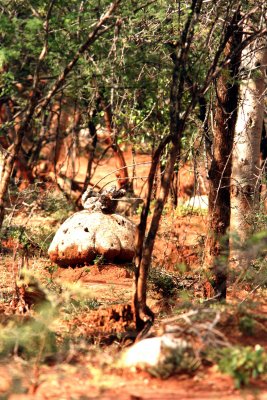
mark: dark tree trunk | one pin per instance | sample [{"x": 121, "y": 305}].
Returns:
[
  {"x": 144, "y": 248},
  {"x": 93, "y": 134},
  {"x": 217, "y": 244},
  {"x": 143, "y": 315},
  {"x": 111, "y": 140}
]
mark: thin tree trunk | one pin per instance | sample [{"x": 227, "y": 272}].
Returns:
[
  {"x": 144, "y": 248},
  {"x": 9, "y": 159},
  {"x": 245, "y": 180},
  {"x": 93, "y": 134},
  {"x": 111, "y": 140},
  {"x": 143, "y": 315},
  {"x": 217, "y": 243}
]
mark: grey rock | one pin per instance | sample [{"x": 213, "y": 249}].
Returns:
[{"x": 88, "y": 234}]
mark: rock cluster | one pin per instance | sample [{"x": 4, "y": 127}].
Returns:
[{"x": 95, "y": 231}]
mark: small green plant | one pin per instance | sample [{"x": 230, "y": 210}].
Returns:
[
  {"x": 92, "y": 304},
  {"x": 42, "y": 237},
  {"x": 185, "y": 210},
  {"x": 51, "y": 269},
  {"x": 20, "y": 198},
  {"x": 19, "y": 235},
  {"x": 29, "y": 339},
  {"x": 247, "y": 325},
  {"x": 29, "y": 335},
  {"x": 99, "y": 260},
  {"x": 175, "y": 361},
  {"x": 75, "y": 305},
  {"x": 52, "y": 285},
  {"x": 162, "y": 282},
  {"x": 243, "y": 363}
]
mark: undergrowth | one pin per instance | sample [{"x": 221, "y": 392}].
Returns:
[
  {"x": 34, "y": 199},
  {"x": 26, "y": 239},
  {"x": 20, "y": 232},
  {"x": 243, "y": 363},
  {"x": 42, "y": 333},
  {"x": 35, "y": 331},
  {"x": 162, "y": 282}
]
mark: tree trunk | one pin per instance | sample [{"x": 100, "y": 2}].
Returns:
[
  {"x": 144, "y": 248},
  {"x": 217, "y": 243},
  {"x": 245, "y": 180},
  {"x": 9, "y": 159},
  {"x": 93, "y": 134},
  {"x": 111, "y": 140},
  {"x": 143, "y": 315}
]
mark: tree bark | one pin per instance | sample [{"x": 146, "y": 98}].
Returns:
[
  {"x": 245, "y": 180},
  {"x": 143, "y": 315},
  {"x": 144, "y": 248},
  {"x": 111, "y": 140},
  {"x": 9, "y": 158},
  {"x": 217, "y": 243},
  {"x": 93, "y": 134}
]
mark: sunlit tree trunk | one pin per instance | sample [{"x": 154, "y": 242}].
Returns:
[
  {"x": 111, "y": 140},
  {"x": 217, "y": 243},
  {"x": 9, "y": 159},
  {"x": 245, "y": 180}
]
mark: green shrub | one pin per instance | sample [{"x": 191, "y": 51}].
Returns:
[
  {"x": 78, "y": 305},
  {"x": 29, "y": 239},
  {"x": 247, "y": 325},
  {"x": 184, "y": 211},
  {"x": 243, "y": 363},
  {"x": 99, "y": 260},
  {"x": 55, "y": 204},
  {"x": 29, "y": 339},
  {"x": 175, "y": 361},
  {"x": 162, "y": 282}
]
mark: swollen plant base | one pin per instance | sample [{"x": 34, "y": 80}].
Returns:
[{"x": 86, "y": 235}]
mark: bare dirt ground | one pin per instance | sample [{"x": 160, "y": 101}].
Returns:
[{"x": 85, "y": 370}]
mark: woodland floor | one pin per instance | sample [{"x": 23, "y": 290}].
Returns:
[{"x": 84, "y": 368}]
